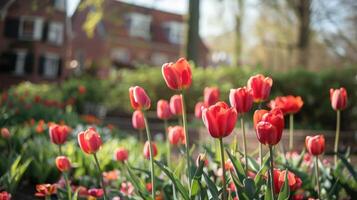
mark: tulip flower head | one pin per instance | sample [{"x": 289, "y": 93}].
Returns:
[
  {"x": 163, "y": 110},
  {"x": 338, "y": 98},
  {"x": 43, "y": 190},
  {"x": 58, "y": 133},
  {"x": 176, "y": 104},
  {"x": 5, "y": 133},
  {"x": 261, "y": 86},
  {"x": 219, "y": 119},
  {"x": 270, "y": 128},
  {"x": 198, "y": 109},
  {"x": 241, "y": 99},
  {"x": 315, "y": 145},
  {"x": 127, "y": 188},
  {"x": 176, "y": 135},
  {"x": 147, "y": 150},
  {"x": 5, "y": 195},
  {"x": 178, "y": 76},
  {"x": 96, "y": 192},
  {"x": 287, "y": 104},
  {"x": 139, "y": 99},
  {"x": 121, "y": 154},
  {"x": 89, "y": 141},
  {"x": 210, "y": 96},
  {"x": 63, "y": 163},
  {"x": 279, "y": 179},
  {"x": 137, "y": 120}
]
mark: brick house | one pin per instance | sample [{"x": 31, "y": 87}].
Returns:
[
  {"x": 128, "y": 35},
  {"x": 32, "y": 41}
]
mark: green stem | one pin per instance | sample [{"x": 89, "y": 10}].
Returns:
[
  {"x": 48, "y": 197},
  {"x": 151, "y": 156},
  {"x": 141, "y": 136},
  {"x": 184, "y": 120},
  {"x": 337, "y": 137},
  {"x": 69, "y": 191},
  {"x": 60, "y": 150},
  {"x": 291, "y": 132},
  {"x": 167, "y": 144},
  {"x": 244, "y": 145},
  {"x": 224, "y": 190},
  {"x": 317, "y": 176},
  {"x": 260, "y": 154},
  {"x": 100, "y": 175},
  {"x": 271, "y": 170}
]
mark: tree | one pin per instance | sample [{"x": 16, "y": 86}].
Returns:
[{"x": 192, "y": 39}]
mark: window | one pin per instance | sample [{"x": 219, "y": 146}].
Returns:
[
  {"x": 31, "y": 28},
  {"x": 60, "y": 5},
  {"x": 51, "y": 66},
  {"x": 174, "y": 32},
  {"x": 140, "y": 25},
  {"x": 20, "y": 62},
  {"x": 55, "y": 33},
  {"x": 159, "y": 58}
]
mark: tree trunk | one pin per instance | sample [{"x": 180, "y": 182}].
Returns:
[
  {"x": 192, "y": 40},
  {"x": 303, "y": 14},
  {"x": 238, "y": 32}
]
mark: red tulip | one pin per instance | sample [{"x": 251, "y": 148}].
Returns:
[
  {"x": 241, "y": 99},
  {"x": 163, "y": 110},
  {"x": 138, "y": 120},
  {"x": 177, "y": 75},
  {"x": 148, "y": 187},
  {"x": 63, "y": 163},
  {"x": 270, "y": 128},
  {"x": 338, "y": 98},
  {"x": 5, "y": 195},
  {"x": 258, "y": 115},
  {"x": 279, "y": 179},
  {"x": 58, "y": 133},
  {"x": 96, "y": 192},
  {"x": 219, "y": 119},
  {"x": 121, "y": 154},
  {"x": 210, "y": 96},
  {"x": 5, "y": 133},
  {"x": 138, "y": 98},
  {"x": 89, "y": 141},
  {"x": 147, "y": 150},
  {"x": 127, "y": 188},
  {"x": 287, "y": 104},
  {"x": 198, "y": 109},
  {"x": 43, "y": 190},
  {"x": 261, "y": 86},
  {"x": 176, "y": 104},
  {"x": 176, "y": 135},
  {"x": 315, "y": 145}
]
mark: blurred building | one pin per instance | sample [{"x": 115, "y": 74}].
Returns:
[
  {"x": 32, "y": 40},
  {"x": 128, "y": 35}
]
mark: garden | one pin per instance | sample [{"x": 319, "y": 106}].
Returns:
[{"x": 186, "y": 137}]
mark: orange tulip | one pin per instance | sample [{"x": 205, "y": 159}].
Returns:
[{"x": 287, "y": 104}]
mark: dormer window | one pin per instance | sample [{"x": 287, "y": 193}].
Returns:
[
  {"x": 139, "y": 25},
  {"x": 174, "y": 32}
]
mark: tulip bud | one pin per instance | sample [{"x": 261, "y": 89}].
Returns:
[
  {"x": 260, "y": 86},
  {"x": 138, "y": 98},
  {"x": 219, "y": 119},
  {"x": 147, "y": 150},
  {"x": 202, "y": 158},
  {"x": 138, "y": 120},
  {"x": 176, "y": 104},
  {"x": 163, "y": 110},
  {"x": 58, "y": 133},
  {"x": 198, "y": 109},
  {"x": 178, "y": 76},
  {"x": 176, "y": 135},
  {"x": 210, "y": 96},
  {"x": 338, "y": 98},
  {"x": 63, "y": 163},
  {"x": 241, "y": 99},
  {"x": 5, "y": 133},
  {"x": 121, "y": 154},
  {"x": 89, "y": 141},
  {"x": 315, "y": 144}
]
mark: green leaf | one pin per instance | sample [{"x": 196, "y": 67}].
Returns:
[
  {"x": 211, "y": 186},
  {"x": 285, "y": 191},
  {"x": 268, "y": 192},
  {"x": 237, "y": 166},
  {"x": 135, "y": 180},
  {"x": 258, "y": 180},
  {"x": 348, "y": 166},
  {"x": 195, "y": 185},
  {"x": 249, "y": 187},
  {"x": 183, "y": 191}
]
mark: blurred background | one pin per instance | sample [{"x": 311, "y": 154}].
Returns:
[{"x": 88, "y": 53}]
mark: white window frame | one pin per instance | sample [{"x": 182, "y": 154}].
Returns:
[
  {"x": 176, "y": 32},
  {"x": 140, "y": 25},
  {"x": 20, "y": 62},
  {"x": 50, "y": 70},
  {"x": 55, "y": 33},
  {"x": 60, "y": 5},
  {"x": 37, "y": 29}
]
